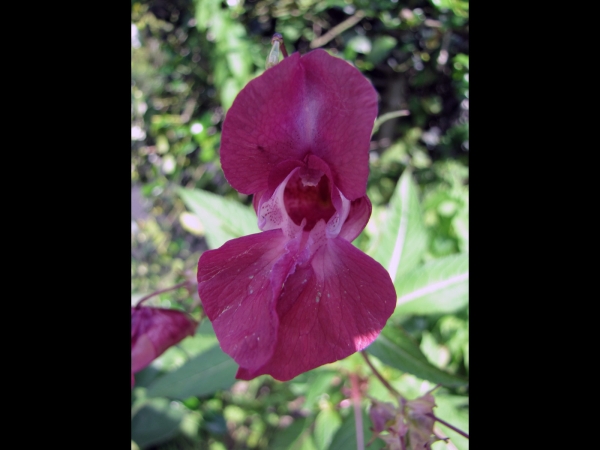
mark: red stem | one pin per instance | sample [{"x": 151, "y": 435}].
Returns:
[
  {"x": 360, "y": 439},
  {"x": 379, "y": 376},
  {"x": 452, "y": 427},
  {"x": 160, "y": 291}
]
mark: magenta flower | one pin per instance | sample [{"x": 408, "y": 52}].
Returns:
[
  {"x": 153, "y": 330},
  {"x": 298, "y": 294}
]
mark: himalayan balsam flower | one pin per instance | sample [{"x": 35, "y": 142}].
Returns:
[
  {"x": 153, "y": 330},
  {"x": 298, "y": 294}
]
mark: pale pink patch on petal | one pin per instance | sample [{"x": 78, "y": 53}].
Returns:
[
  {"x": 331, "y": 307},
  {"x": 272, "y": 214}
]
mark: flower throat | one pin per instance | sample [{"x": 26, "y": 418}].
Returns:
[{"x": 307, "y": 196}]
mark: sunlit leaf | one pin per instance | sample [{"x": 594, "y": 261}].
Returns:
[
  {"x": 397, "y": 349},
  {"x": 454, "y": 409},
  {"x": 402, "y": 241},
  {"x": 223, "y": 219},
  {"x": 327, "y": 423},
  {"x": 318, "y": 386},
  {"x": 203, "y": 340},
  {"x": 437, "y": 287},
  {"x": 360, "y": 44}
]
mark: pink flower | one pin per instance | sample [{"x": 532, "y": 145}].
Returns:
[
  {"x": 299, "y": 294},
  {"x": 153, "y": 330}
]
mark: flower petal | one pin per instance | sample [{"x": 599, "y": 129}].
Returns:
[
  {"x": 238, "y": 284},
  {"x": 360, "y": 211},
  {"x": 153, "y": 330},
  {"x": 329, "y": 308},
  {"x": 315, "y": 104},
  {"x": 342, "y": 104}
]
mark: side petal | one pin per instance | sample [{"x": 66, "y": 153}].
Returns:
[
  {"x": 153, "y": 330},
  {"x": 142, "y": 353},
  {"x": 315, "y": 104},
  {"x": 329, "y": 308},
  {"x": 238, "y": 284},
  {"x": 360, "y": 211}
]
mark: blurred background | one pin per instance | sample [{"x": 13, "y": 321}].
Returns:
[{"x": 189, "y": 59}]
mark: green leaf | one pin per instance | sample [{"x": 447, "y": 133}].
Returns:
[
  {"x": 203, "y": 340},
  {"x": 295, "y": 437},
  {"x": 205, "y": 10},
  {"x": 318, "y": 386},
  {"x": 202, "y": 375},
  {"x": 223, "y": 219},
  {"x": 453, "y": 409},
  {"x": 382, "y": 46},
  {"x": 397, "y": 349},
  {"x": 438, "y": 287},
  {"x": 327, "y": 423},
  {"x": 403, "y": 239},
  {"x": 155, "y": 423}
]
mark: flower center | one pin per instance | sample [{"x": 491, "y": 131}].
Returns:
[{"x": 307, "y": 196}]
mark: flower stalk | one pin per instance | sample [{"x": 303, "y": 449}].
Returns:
[
  {"x": 360, "y": 440},
  {"x": 452, "y": 427},
  {"x": 388, "y": 386},
  {"x": 161, "y": 291}
]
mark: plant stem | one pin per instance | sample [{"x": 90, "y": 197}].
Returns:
[
  {"x": 387, "y": 116},
  {"x": 452, "y": 427},
  {"x": 160, "y": 291},
  {"x": 379, "y": 376},
  {"x": 338, "y": 29},
  {"x": 360, "y": 439}
]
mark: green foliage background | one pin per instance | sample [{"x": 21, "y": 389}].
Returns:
[{"x": 189, "y": 60}]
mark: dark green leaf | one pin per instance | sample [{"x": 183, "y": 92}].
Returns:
[
  {"x": 345, "y": 438},
  {"x": 295, "y": 437},
  {"x": 201, "y": 375},
  {"x": 155, "y": 423},
  {"x": 382, "y": 47}
]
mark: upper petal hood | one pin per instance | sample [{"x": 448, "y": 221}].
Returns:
[{"x": 315, "y": 104}]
